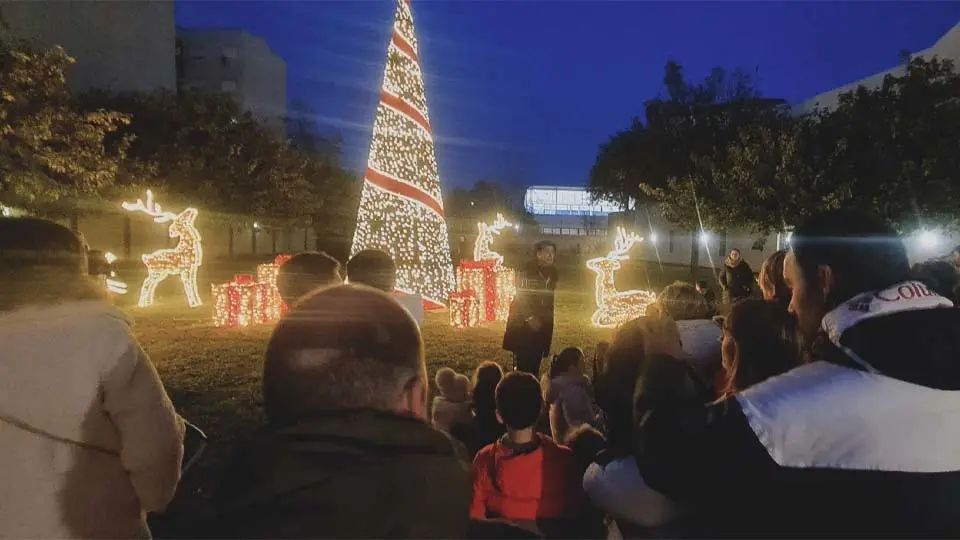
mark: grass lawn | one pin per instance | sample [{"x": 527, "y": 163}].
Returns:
[{"x": 213, "y": 374}]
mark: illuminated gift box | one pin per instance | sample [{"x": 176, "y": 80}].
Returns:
[
  {"x": 480, "y": 277},
  {"x": 273, "y": 305},
  {"x": 464, "y": 309},
  {"x": 240, "y": 302},
  {"x": 505, "y": 283}
]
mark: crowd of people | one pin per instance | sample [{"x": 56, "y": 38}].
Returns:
[{"x": 826, "y": 408}]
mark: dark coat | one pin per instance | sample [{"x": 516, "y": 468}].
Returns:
[
  {"x": 536, "y": 288},
  {"x": 349, "y": 474},
  {"x": 861, "y": 443},
  {"x": 737, "y": 281}
]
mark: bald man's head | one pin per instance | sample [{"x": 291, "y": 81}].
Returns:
[{"x": 345, "y": 347}]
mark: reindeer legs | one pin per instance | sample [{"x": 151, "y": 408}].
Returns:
[{"x": 189, "y": 279}]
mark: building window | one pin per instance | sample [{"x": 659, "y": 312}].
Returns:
[
  {"x": 230, "y": 52},
  {"x": 670, "y": 241},
  {"x": 228, "y": 86}
]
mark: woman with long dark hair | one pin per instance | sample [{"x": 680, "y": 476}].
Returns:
[{"x": 759, "y": 341}]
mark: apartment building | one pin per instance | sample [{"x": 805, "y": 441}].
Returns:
[
  {"x": 236, "y": 62},
  {"x": 122, "y": 45}
]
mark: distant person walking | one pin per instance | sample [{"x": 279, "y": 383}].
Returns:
[
  {"x": 736, "y": 278},
  {"x": 529, "y": 330}
]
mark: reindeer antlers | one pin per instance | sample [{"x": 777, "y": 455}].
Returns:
[
  {"x": 500, "y": 222},
  {"x": 151, "y": 209},
  {"x": 623, "y": 242}
]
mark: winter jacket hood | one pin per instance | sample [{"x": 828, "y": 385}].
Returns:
[
  {"x": 904, "y": 332},
  {"x": 447, "y": 413}
]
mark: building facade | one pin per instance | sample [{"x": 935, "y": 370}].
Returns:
[
  {"x": 238, "y": 63},
  {"x": 946, "y": 48},
  {"x": 569, "y": 217},
  {"x": 123, "y": 45}
]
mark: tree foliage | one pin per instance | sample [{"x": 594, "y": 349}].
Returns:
[
  {"x": 671, "y": 159},
  {"x": 48, "y": 147},
  {"x": 746, "y": 163},
  {"x": 204, "y": 147}
]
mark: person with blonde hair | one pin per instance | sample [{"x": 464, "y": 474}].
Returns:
[{"x": 91, "y": 442}]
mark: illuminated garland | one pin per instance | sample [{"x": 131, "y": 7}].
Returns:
[
  {"x": 401, "y": 208},
  {"x": 615, "y": 308},
  {"x": 182, "y": 261}
]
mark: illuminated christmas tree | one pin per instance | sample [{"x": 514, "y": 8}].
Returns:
[{"x": 401, "y": 209}]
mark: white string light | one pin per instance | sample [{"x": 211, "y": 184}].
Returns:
[
  {"x": 404, "y": 216},
  {"x": 617, "y": 307},
  {"x": 182, "y": 261}
]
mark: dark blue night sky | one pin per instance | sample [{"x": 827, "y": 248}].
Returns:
[{"x": 525, "y": 91}]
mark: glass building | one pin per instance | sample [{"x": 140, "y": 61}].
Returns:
[{"x": 568, "y": 211}]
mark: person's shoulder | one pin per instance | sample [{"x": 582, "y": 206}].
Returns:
[
  {"x": 554, "y": 449},
  {"x": 485, "y": 454}
]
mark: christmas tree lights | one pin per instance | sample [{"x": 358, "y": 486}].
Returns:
[
  {"x": 401, "y": 206},
  {"x": 182, "y": 261},
  {"x": 615, "y": 308}
]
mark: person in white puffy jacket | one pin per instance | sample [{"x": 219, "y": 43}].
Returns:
[{"x": 89, "y": 440}]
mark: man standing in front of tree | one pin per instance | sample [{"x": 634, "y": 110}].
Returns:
[{"x": 530, "y": 325}]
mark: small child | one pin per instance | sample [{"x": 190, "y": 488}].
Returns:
[
  {"x": 452, "y": 406},
  {"x": 708, "y": 295},
  {"x": 525, "y": 477},
  {"x": 484, "y": 427},
  {"x": 569, "y": 394}
]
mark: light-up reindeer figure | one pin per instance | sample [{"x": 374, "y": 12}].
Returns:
[
  {"x": 182, "y": 261},
  {"x": 615, "y": 308},
  {"x": 481, "y": 250}
]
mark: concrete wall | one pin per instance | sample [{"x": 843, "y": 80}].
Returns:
[
  {"x": 122, "y": 45},
  {"x": 239, "y": 63}
]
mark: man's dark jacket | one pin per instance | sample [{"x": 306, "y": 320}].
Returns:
[
  {"x": 737, "y": 281},
  {"x": 536, "y": 287},
  {"x": 862, "y": 442},
  {"x": 350, "y": 474}
]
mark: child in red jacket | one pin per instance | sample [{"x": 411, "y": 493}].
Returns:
[{"x": 525, "y": 477}]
